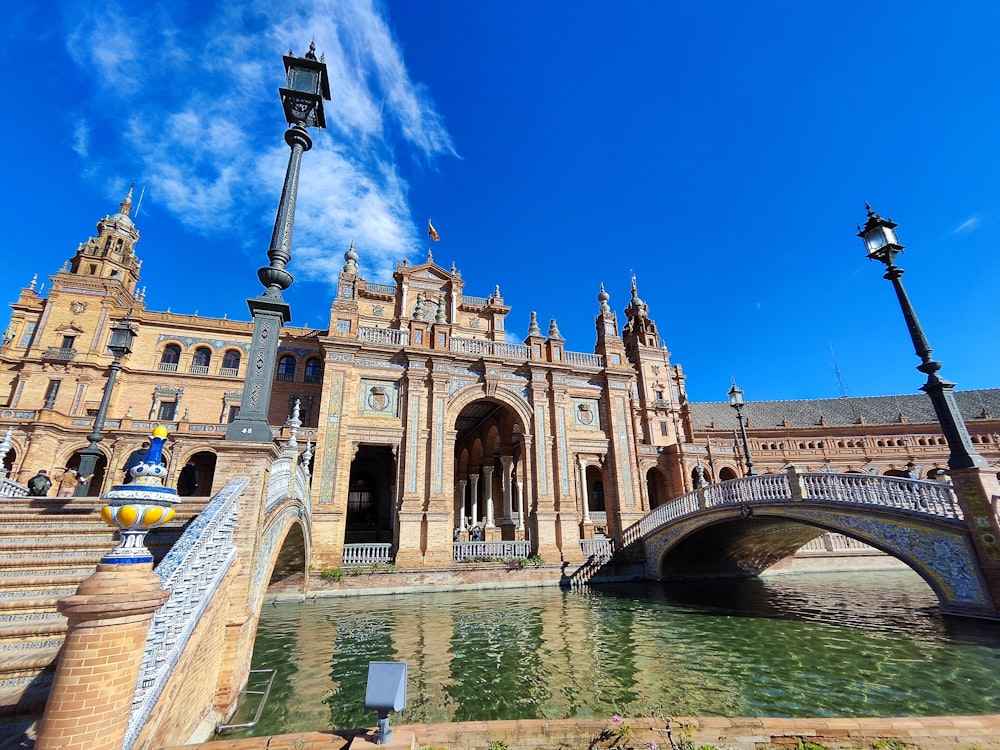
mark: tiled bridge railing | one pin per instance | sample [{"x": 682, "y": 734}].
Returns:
[
  {"x": 192, "y": 572},
  {"x": 918, "y": 496}
]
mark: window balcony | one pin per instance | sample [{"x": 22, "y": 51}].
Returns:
[
  {"x": 198, "y": 369},
  {"x": 312, "y": 379},
  {"x": 167, "y": 367},
  {"x": 285, "y": 377},
  {"x": 229, "y": 372},
  {"x": 59, "y": 354}
]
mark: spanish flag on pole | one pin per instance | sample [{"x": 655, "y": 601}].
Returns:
[{"x": 432, "y": 232}]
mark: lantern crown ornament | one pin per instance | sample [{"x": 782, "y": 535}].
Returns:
[
  {"x": 141, "y": 505},
  {"x": 879, "y": 236}
]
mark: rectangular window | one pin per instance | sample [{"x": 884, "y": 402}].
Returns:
[
  {"x": 418, "y": 337},
  {"x": 234, "y": 412},
  {"x": 50, "y": 394},
  {"x": 29, "y": 333},
  {"x": 167, "y": 411},
  {"x": 67, "y": 342},
  {"x": 663, "y": 428}
]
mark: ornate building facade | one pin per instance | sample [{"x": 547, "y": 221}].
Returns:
[{"x": 424, "y": 423}]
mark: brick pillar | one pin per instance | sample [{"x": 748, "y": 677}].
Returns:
[
  {"x": 91, "y": 696},
  {"x": 978, "y": 493}
]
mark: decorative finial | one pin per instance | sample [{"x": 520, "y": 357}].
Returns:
[
  {"x": 307, "y": 455},
  {"x": 533, "y": 329},
  {"x": 141, "y": 505},
  {"x": 496, "y": 292},
  {"x": 603, "y": 298},
  {"x": 5, "y": 446},
  {"x": 351, "y": 258},
  {"x": 418, "y": 308},
  {"x": 554, "y": 330},
  {"x": 440, "y": 317},
  {"x": 700, "y": 475},
  {"x": 453, "y": 270},
  {"x": 34, "y": 281},
  {"x": 311, "y": 54},
  {"x": 294, "y": 423}
]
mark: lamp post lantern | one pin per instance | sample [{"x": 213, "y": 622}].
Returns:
[
  {"x": 120, "y": 345},
  {"x": 736, "y": 401},
  {"x": 306, "y": 87},
  {"x": 879, "y": 236}
]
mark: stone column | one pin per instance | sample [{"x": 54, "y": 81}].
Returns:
[
  {"x": 583, "y": 491},
  {"x": 91, "y": 697},
  {"x": 488, "y": 495},
  {"x": 507, "y": 463},
  {"x": 461, "y": 504},
  {"x": 474, "y": 497},
  {"x": 520, "y": 506}
]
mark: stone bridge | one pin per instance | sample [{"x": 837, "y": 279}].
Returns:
[{"x": 744, "y": 526}]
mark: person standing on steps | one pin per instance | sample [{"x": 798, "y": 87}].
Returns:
[
  {"x": 67, "y": 482},
  {"x": 135, "y": 458},
  {"x": 38, "y": 485}
]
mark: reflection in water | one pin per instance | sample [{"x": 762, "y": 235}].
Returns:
[{"x": 814, "y": 645}]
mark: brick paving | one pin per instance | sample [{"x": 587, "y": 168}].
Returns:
[{"x": 914, "y": 733}]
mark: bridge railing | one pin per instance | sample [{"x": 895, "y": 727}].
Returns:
[
  {"x": 926, "y": 497},
  {"x": 192, "y": 572},
  {"x": 920, "y": 496},
  {"x": 598, "y": 547}
]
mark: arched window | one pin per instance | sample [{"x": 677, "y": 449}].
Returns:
[
  {"x": 230, "y": 363},
  {"x": 169, "y": 359},
  {"x": 286, "y": 368},
  {"x": 201, "y": 360},
  {"x": 314, "y": 370}
]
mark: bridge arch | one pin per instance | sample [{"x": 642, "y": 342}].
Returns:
[{"x": 745, "y": 526}]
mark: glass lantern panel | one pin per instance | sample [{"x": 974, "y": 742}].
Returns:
[
  {"x": 303, "y": 79},
  {"x": 875, "y": 239}
]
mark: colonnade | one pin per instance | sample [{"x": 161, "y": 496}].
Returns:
[{"x": 512, "y": 496}]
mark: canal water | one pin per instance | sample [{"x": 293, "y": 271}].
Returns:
[{"x": 822, "y": 644}]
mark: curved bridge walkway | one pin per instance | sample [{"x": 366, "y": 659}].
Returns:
[{"x": 918, "y": 522}]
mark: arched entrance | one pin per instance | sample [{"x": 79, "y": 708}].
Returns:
[
  {"x": 369, "y": 498},
  {"x": 100, "y": 469},
  {"x": 492, "y": 486},
  {"x": 197, "y": 475},
  {"x": 725, "y": 474},
  {"x": 657, "y": 488}
]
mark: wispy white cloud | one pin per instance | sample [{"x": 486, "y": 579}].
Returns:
[
  {"x": 969, "y": 225},
  {"x": 196, "y": 87},
  {"x": 81, "y": 138}
]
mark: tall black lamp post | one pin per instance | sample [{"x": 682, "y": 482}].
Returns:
[
  {"x": 736, "y": 401},
  {"x": 306, "y": 86},
  {"x": 879, "y": 236},
  {"x": 120, "y": 345}
]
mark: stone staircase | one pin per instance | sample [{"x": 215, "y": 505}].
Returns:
[{"x": 48, "y": 546}]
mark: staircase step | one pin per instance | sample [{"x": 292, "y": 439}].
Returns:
[{"x": 28, "y": 663}]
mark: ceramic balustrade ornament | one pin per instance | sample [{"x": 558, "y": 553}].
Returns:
[{"x": 140, "y": 506}]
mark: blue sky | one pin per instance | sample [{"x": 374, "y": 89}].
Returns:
[{"x": 722, "y": 151}]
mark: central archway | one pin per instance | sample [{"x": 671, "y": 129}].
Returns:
[{"x": 492, "y": 473}]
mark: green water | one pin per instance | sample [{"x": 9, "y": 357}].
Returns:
[{"x": 868, "y": 644}]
